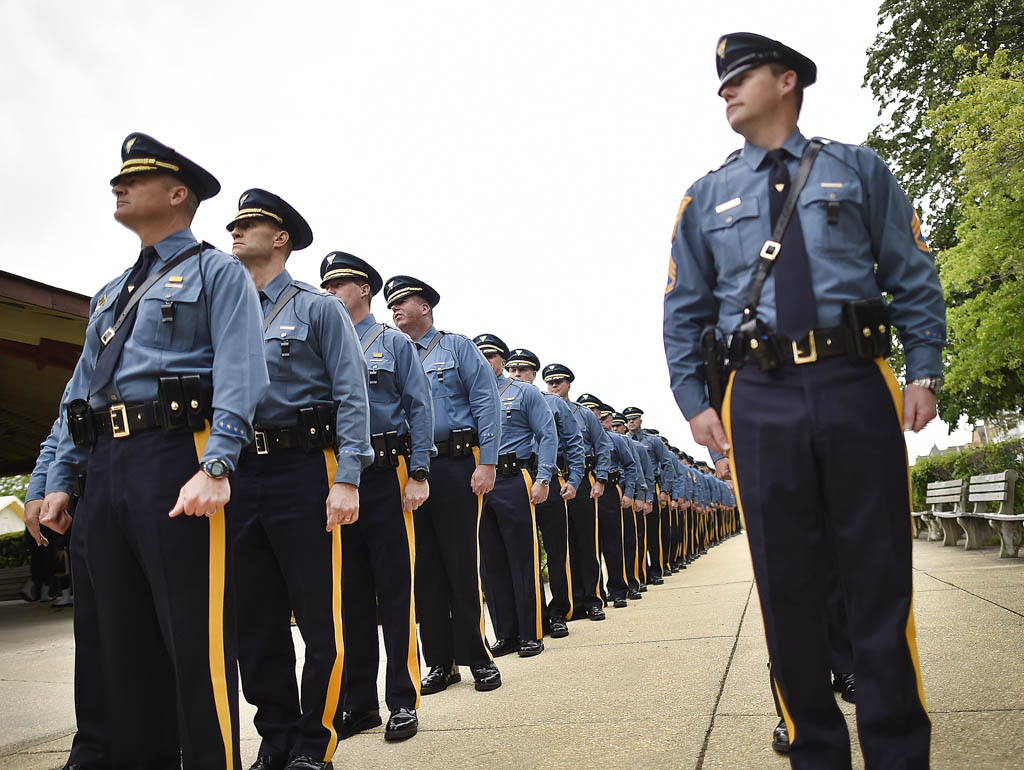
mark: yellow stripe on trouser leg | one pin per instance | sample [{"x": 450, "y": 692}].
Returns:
[
  {"x": 479, "y": 583},
  {"x": 727, "y": 426},
  {"x": 657, "y": 496},
  {"x": 911, "y": 629},
  {"x": 413, "y": 662},
  {"x": 622, "y": 537},
  {"x": 333, "y": 698},
  {"x": 536, "y": 554},
  {"x": 597, "y": 545},
  {"x": 568, "y": 566},
  {"x": 215, "y": 620}
]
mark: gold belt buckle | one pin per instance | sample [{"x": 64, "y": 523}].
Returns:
[
  {"x": 260, "y": 440},
  {"x": 118, "y": 413},
  {"x": 806, "y": 358}
]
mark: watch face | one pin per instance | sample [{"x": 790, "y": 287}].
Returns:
[{"x": 217, "y": 469}]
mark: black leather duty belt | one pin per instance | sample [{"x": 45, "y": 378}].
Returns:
[
  {"x": 267, "y": 440},
  {"x": 614, "y": 478},
  {"x": 460, "y": 443},
  {"x": 123, "y": 420},
  {"x": 825, "y": 342},
  {"x": 510, "y": 465}
]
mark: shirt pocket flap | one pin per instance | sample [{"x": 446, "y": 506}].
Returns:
[
  {"x": 383, "y": 364},
  {"x": 287, "y": 330},
  {"x": 167, "y": 290},
  {"x": 729, "y": 213},
  {"x": 828, "y": 192}
]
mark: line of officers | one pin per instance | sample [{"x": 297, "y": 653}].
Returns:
[{"x": 236, "y": 448}]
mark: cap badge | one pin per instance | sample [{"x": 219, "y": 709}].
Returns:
[
  {"x": 129, "y": 144},
  {"x": 330, "y": 259},
  {"x": 721, "y": 48},
  {"x": 242, "y": 200}
]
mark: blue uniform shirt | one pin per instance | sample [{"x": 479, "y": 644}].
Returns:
[
  {"x": 646, "y": 467},
  {"x": 664, "y": 473},
  {"x": 874, "y": 247},
  {"x": 682, "y": 488},
  {"x": 527, "y": 422},
  {"x": 464, "y": 392},
  {"x": 595, "y": 442},
  {"x": 623, "y": 460},
  {"x": 570, "y": 438},
  {"x": 215, "y": 309},
  {"x": 400, "y": 397},
  {"x": 314, "y": 358}
]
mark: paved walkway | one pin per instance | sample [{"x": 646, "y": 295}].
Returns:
[{"x": 677, "y": 680}]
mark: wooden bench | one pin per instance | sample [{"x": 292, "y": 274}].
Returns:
[
  {"x": 946, "y": 500},
  {"x": 998, "y": 488}
]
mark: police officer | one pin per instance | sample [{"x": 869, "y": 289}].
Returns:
[
  {"x": 510, "y": 564},
  {"x": 663, "y": 479},
  {"x": 817, "y": 334},
  {"x": 632, "y": 497},
  {"x": 378, "y": 550},
  {"x": 668, "y": 509},
  {"x": 682, "y": 493},
  {"x": 160, "y": 406},
  {"x": 622, "y": 472},
  {"x": 466, "y": 433},
  {"x": 584, "y": 553},
  {"x": 310, "y": 445},
  {"x": 643, "y": 500},
  {"x": 552, "y": 514}
]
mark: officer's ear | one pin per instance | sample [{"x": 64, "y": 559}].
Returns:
[{"x": 283, "y": 240}]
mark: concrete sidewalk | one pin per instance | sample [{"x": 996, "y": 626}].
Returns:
[{"x": 677, "y": 680}]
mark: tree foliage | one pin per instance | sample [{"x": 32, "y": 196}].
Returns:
[
  {"x": 912, "y": 70},
  {"x": 983, "y": 128}
]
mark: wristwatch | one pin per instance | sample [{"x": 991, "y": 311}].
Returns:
[
  {"x": 934, "y": 384},
  {"x": 544, "y": 482},
  {"x": 420, "y": 474},
  {"x": 216, "y": 468}
]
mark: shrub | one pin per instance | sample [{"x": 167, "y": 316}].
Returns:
[{"x": 990, "y": 458}]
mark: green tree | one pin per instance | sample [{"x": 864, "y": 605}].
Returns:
[
  {"x": 983, "y": 128},
  {"x": 912, "y": 70}
]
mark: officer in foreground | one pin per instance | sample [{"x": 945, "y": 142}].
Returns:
[
  {"x": 466, "y": 433},
  {"x": 552, "y": 514},
  {"x": 378, "y": 550},
  {"x": 510, "y": 563},
  {"x": 160, "y": 406},
  {"x": 810, "y": 396},
  {"x": 296, "y": 485}
]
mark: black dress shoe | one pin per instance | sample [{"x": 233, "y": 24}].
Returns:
[
  {"x": 353, "y": 722},
  {"x": 266, "y": 762},
  {"x": 438, "y": 679},
  {"x": 487, "y": 676},
  {"x": 403, "y": 724},
  {"x": 504, "y": 647},
  {"x": 595, "y": 613},
  {"x": 681, "y": 566},
  {"x": 634, "y": 594},
  {"x": 559, "y": 628},
  {"x": 307, "y": 763},
  {"x": 619, "y": 603},
  {"x": 643, "y": 588},
  {"x": 780, "y": 737},
  {"x": 656, "y": 581},
  {"x": 531, "y": 647},
  {"x": 845, "y": 686}
]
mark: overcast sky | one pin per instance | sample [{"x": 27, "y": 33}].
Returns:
[{"x": 526, "y": 159}]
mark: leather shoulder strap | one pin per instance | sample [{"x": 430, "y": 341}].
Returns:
[
  {"x": 284, "y": 299},
  {"x": 433, "y": 344},
  {"x": 377, "y": 331}
]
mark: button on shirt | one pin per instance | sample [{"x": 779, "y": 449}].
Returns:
[
  {"x": 622, "y": 459},
  {"x": 464, "y": 392},
  {"x": 873, "y": 246},
  {"x": 570, "y": 439},
  {"x": 400, "y": 393},
  {"x": 595, "y": 442},
  {"x": 213, "y": 307},
  {"x": 314, "y": 358},
  {"x": 527, "y": 421}
]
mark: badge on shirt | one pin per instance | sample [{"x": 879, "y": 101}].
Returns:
[{"x": 731, "y": 204}]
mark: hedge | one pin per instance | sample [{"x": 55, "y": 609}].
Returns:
[
  {"x": 15, "y": 549},
  {"x": 990, "y": 458}
]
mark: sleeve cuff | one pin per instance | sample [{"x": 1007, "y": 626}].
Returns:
[{"x": 924, "y": 361}]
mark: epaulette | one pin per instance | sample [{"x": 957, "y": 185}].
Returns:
[
  {"x": 307, "y": 287},
  {"x": 728, "y": 159}
]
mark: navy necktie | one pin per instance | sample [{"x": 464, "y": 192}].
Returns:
[
  {"x": 107, "y": 360},
  {"x": 794, "y": 296},
  {"x": 264, "y": 302}
]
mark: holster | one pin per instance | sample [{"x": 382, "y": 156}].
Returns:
[
  {"x": 755, "y": 340},
  {"x": 868, "y": 323},
  {"x": 181, "y": 404},
  {"x": 713, "y": 351},
  {"x": 317, "y": 427},
  {"x": 461, "y": 442},
  {"x": 80, "y": 422}
]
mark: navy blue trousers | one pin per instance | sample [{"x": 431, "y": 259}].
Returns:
[
  {"x": 629, "y": 553},
  {"x": 821, "y": 471},
  {"x": 553, "y": 526},
  {"x": 611, "y": 531},
  {"x": 449, "y": 603},
  {"x": 378, "y": 558},
  {"x": 510, "y": 559},
  {"x": 584, "y": 556},
  {"x": 164, "y": 609},
  {"x": 287, "y": 562},
  {"x": 654, "y": 539}
]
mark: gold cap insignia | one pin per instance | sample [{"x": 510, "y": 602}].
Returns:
[
  {"x": 242, "y": 200},
  {"x": 330, "y": 259},
  {"x": 721, "y": 48},
  {"x": 129, "y": 144},
  {"x": 391, "y": 285}
]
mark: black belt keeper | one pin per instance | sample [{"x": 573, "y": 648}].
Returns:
[
  {"x": 317, "y": 426},
  {"x": 181, "y": 404},
  {"x": 460, "y": 443},
  {"x": 388, "y": 447},
  {"x": 589, "y": 463},
  {"x": 614, "y": 478},
  {"x": 509, "y": 464}
]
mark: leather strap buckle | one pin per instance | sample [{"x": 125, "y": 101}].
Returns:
[
  {"x": 771, "y": 250},
  {"x": 812, "y": 354},
  {"x": 107, "y": 335},
  {"x": 119, "y": 427},
  {"x": 260, "y": 442}
]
